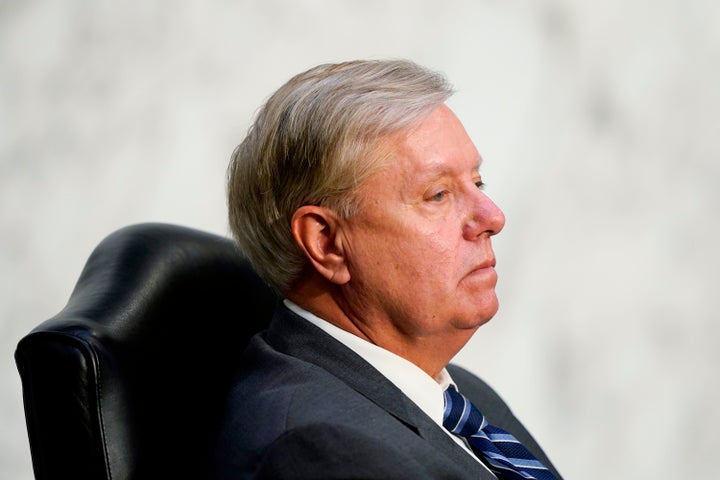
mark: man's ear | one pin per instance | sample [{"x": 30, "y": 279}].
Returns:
[{"x": 316, "y": 231}]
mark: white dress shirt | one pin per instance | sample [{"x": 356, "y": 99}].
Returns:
[{"x": 425, "y": 391}]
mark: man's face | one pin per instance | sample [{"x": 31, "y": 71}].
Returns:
[{"x": 419, "y": 251}]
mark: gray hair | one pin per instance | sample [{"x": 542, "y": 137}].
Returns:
[{"x": 312, "y": 143}]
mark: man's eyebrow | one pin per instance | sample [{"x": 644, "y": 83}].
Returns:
[{"x": 437, "y": 170}]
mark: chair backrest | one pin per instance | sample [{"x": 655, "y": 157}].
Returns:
[{"x": 129, "y": 380}]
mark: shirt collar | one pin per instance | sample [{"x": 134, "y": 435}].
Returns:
[{"x": 425, "y": 391}]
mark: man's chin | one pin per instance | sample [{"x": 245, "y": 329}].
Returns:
[{"x": 478, "y": 321}]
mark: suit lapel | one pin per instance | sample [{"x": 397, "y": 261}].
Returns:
[{"x": 295, "y": 336}]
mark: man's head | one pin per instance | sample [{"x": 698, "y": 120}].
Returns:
[
  {"x": 313, "y": 142},
  {"x": 357, "y": 194}
]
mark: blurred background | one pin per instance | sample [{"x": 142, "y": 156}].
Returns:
[{"x": 598, "y": 123}]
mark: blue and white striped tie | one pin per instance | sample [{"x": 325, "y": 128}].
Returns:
[{"x": 501, "y": 451}]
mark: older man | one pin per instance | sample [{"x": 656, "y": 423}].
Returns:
[{"x": 357, "y": 195}]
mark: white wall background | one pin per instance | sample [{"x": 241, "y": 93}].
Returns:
[{"x": 598, "y": 121}]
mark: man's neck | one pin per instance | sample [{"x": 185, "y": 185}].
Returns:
[{"x": 430, "y": 353}]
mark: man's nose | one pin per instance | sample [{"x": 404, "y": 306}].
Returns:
[{"x": 485, "y": 217}]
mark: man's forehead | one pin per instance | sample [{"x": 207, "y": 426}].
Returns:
[
  {"x": 433, "y": 166},
  {"x": 435, "y": 146},
  {"x": 442, "y": 163}
]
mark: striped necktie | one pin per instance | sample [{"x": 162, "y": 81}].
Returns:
[{"x": 501, "y": 451}]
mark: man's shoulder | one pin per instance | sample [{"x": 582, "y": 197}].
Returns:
[
  {"x": 274, "y": 392},
  {"x": 283, "y": 410},
  {"x": 288, "y": 418}
]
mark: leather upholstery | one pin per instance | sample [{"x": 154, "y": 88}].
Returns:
[{"x": 128, "y": 381}]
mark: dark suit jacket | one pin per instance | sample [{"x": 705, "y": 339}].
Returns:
[{"x": 306, "y": 406}]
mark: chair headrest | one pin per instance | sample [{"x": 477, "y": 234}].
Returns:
[{"x": 144, "y": 352}]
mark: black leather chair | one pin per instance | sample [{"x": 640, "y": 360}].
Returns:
[{"x": 128, "y": 381}]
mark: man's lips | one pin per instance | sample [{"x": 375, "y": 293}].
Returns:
[{"x": 486, "y": 265}]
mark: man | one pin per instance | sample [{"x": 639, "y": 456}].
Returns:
[{"x": 356, "y": 194}]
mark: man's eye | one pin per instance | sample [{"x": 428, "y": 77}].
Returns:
[
  {"x": 480, "y": 185},
  {"x": 439, "y": 196}
]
